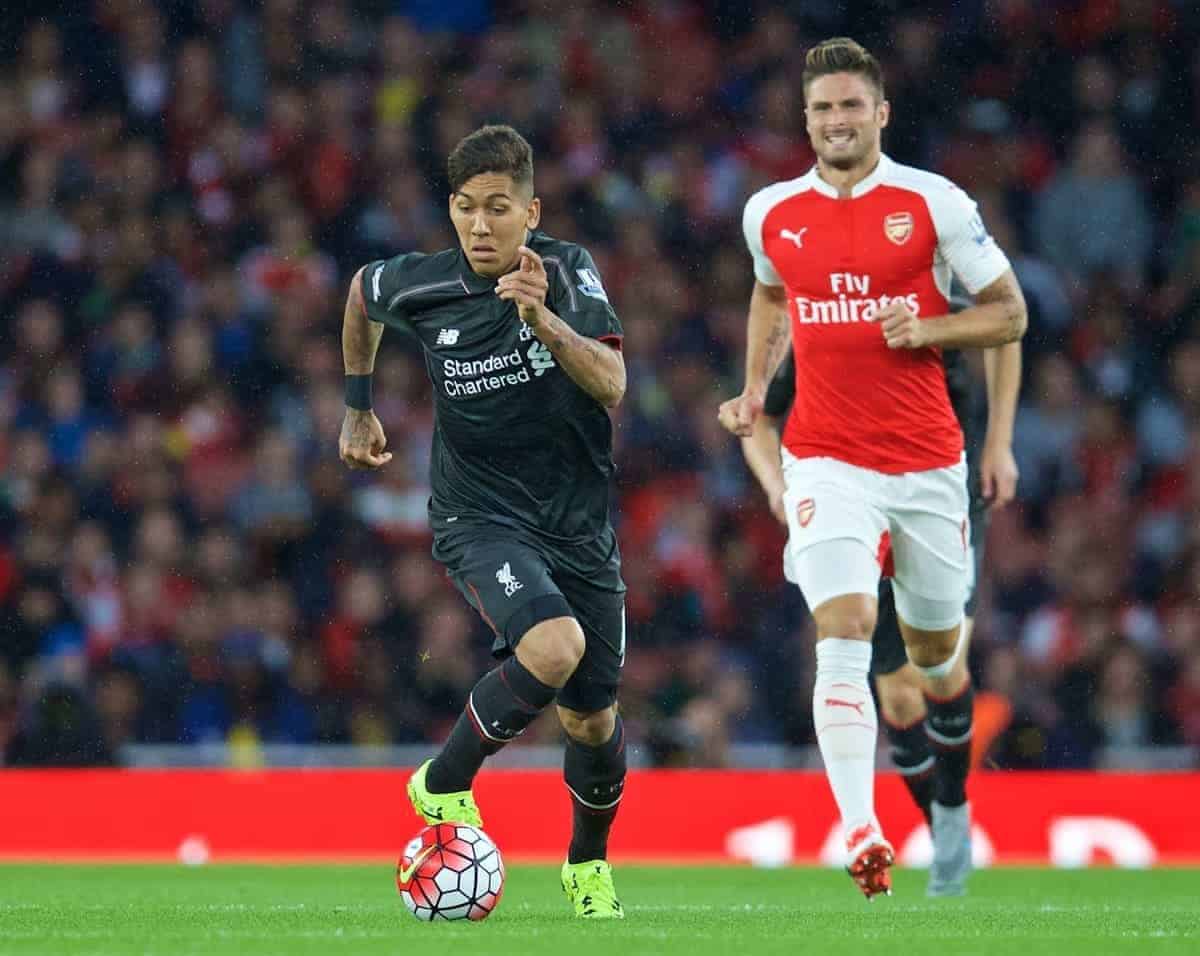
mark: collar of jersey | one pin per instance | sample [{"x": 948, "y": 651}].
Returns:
[
  {"x": 474, "y": 282},
  {"x": 877, "y": 175}
]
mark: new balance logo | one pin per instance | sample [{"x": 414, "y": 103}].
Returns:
[
  {"x": 506, "y": 577},
  {"x": 834, "y": 702},
  {"x": 447, "y": 337},
  {"x": 794, "y": 237}
]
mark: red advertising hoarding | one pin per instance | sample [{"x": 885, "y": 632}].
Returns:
[{"x": 764, "y": 817}]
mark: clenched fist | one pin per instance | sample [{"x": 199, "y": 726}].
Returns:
[
  {"x": 362, "y": 441},
  {"x": 738, "y": 415},
  {"x": 901, "y": 327}
]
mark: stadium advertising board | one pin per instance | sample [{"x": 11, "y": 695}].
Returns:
[{"x": 761, "y": 817}]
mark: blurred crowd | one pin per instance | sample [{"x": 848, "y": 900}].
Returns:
[{"x": 187, "y": 186}]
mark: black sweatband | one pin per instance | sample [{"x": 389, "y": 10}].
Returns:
[{"x": 358, "y": 392}]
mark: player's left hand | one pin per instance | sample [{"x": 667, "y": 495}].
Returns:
[
  {"x": 901, "y": 327},
  {"x": 998, "y": 474},
  {"x": 526, "y": 286}
]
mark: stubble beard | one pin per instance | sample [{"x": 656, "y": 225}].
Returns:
[{"x": 846, "y": 162}]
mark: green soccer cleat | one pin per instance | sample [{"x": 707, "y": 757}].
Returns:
[
  {"x": 441, "y": 807},
  {"x": 589, "y": 887}
]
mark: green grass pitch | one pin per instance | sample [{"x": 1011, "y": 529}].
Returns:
[{"x": 260, "y": 910}]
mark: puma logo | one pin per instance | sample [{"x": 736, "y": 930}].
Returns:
[
  {"x": 794, "y": 237},
  {"x": 834, "y": 702},
  {"x": 406, "y": 872},
  {"x": 858, "y": 835}
]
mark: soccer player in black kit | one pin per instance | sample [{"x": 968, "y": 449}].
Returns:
[{"x": 524, "y": 353}]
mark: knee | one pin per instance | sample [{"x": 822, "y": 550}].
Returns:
[
  {"x": 901, "y": 698},
  {"x": 931, "y": 648},
  {"x": 591, "y": 729},
  {"x": 551, "y": 650},
  {"x": 851, "y": 616}
]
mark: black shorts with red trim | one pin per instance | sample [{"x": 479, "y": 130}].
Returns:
[{"x": 516, "y": 583}]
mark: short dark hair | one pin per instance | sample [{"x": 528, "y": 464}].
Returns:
[
  {"x": 491, "y": 149},
  {"x": 842, "y": 55}
]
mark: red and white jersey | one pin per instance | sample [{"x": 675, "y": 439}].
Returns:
[{"x": 902, "y": 233}]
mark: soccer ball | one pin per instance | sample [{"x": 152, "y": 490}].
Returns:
[{"x": 450, "y": 871}]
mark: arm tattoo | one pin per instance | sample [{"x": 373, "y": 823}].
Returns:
[
  {"x": 593, "y": 350},
  {"x": 776, "y": 342},
  {"x": 360, "y": 336},
  {"x": 1006, "y": 292},
  {"x": 584, "y": 360}
]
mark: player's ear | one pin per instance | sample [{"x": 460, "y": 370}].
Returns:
[
  {"x": 533, "y": 213},
  {"x": 884, "y": 113}
]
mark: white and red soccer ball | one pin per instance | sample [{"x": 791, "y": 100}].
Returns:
[{"x": 450, "y": 871}]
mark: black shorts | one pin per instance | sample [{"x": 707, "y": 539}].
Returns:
[
  {"x": 888, "y": 654},
  {"x": 515, "y": 583}
]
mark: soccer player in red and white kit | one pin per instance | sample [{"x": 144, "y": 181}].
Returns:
[{"x": 853, "y": 263}]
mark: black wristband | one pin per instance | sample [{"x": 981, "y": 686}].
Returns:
[{"x": 358, "y": 392}]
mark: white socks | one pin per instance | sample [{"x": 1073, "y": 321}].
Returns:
[{"x": 846, "y": 724}]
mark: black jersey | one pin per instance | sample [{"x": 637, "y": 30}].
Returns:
[{"x": 516, "y": 441}]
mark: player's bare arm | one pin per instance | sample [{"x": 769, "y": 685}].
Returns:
[
  {"x": 362, "y": 442},
  {"x": 997, "y": 318},
  {"x": 768, "y": 338},
  {"x": 998, "y": 472},
  {"x": 597, "y": 368},
  {"x": 761, "y": 449}
]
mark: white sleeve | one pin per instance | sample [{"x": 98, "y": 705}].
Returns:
[
  {"x": 964, "y": 243},
  {"x": 757, "y": 207}
]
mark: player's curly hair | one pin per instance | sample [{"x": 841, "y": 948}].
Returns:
[
  {"x": 842, "y": 55},
  {"x": 491, "y": 149}
]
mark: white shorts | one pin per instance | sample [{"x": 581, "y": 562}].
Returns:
[{"x": 843, "y": 521}]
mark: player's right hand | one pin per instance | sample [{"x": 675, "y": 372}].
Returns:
[
  {"x": 362, "y": 441},
  {"x": 775, "y": 499},
  {"x": 738, "y": 415}
]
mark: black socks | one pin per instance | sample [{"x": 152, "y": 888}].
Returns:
[
  {"x": 595, "y": 777},
  {"x": 914, "y": 759},
  {"x": 949, "y": 728},
  {"x": 501, "y": 706}
]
